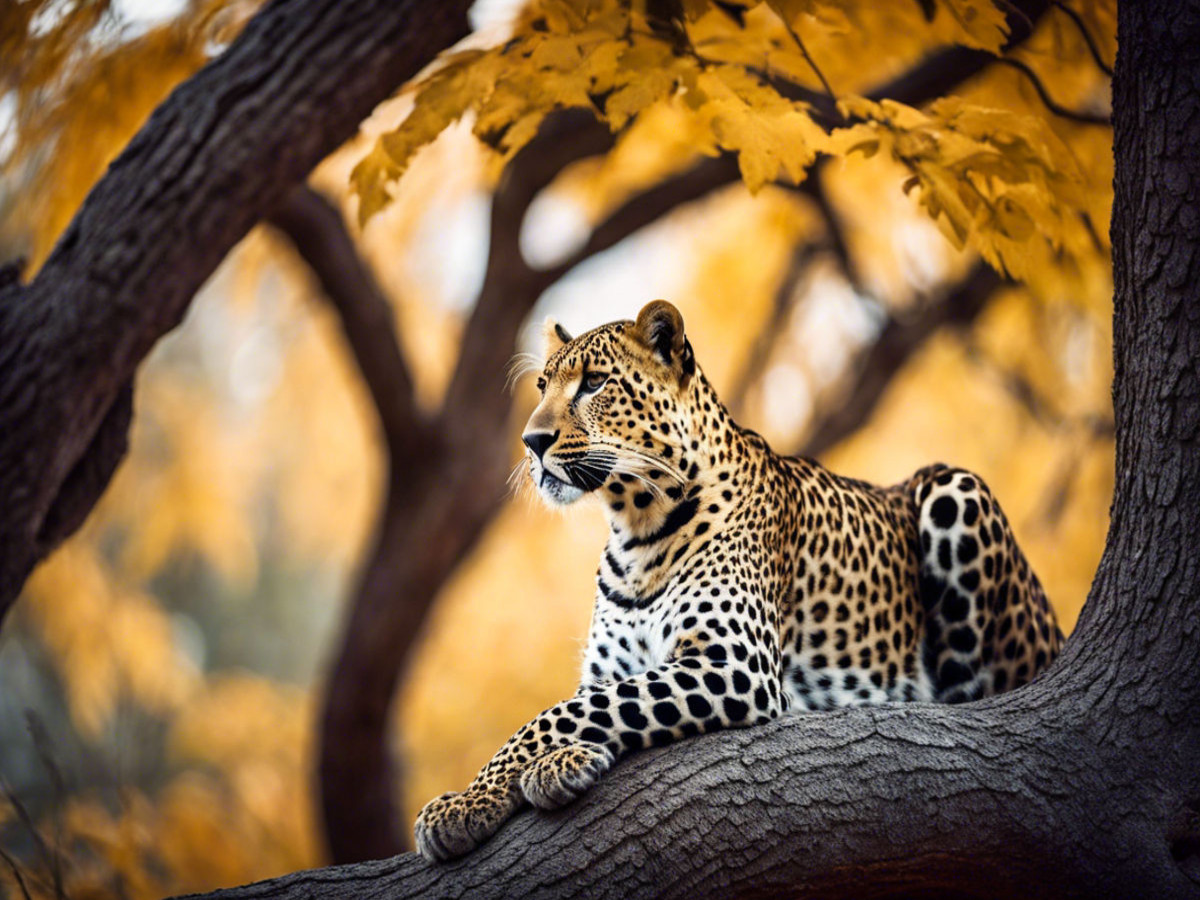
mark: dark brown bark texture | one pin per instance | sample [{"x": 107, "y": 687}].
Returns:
[
  {"x": 221, "y": 152},
  {"x": 1084, "y": 784}
]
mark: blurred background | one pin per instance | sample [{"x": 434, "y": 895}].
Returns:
[{"x": 163, "y": 679}]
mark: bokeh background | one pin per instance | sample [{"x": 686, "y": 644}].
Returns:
[{"x": 161, "y": 678}]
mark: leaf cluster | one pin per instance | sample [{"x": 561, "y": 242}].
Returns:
[{"x": 742, "y": 77}]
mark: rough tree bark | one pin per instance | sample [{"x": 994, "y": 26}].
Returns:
[
  {"x": 221, "y": 152},
  {"x": 1085, "y": 783}
]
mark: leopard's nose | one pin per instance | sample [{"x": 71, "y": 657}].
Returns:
[{"x": 539, "y": 441}]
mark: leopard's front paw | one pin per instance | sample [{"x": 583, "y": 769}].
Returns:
[
  {"x": 561, "y": 775},
  {"x": 454, "y": 824}
]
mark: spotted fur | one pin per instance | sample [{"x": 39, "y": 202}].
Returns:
[{"x": 737, "y": 584}]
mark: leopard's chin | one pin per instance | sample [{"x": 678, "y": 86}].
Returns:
[{"x": 554, "y": 490}]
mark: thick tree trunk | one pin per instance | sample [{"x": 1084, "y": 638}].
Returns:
[
  {"x": 1084, "y": 784},
  {"x": 221, "y": 152}
]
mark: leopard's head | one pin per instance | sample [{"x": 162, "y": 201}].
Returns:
[{"x": 613, "y": 408}]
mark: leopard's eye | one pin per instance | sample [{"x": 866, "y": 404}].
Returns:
[
  {"x": 592, "y": 382},
  {"x": 541, "y": 385}
]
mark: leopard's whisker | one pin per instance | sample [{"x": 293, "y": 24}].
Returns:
[
  {"x": 644, "y": 480},
  {"x": 649, "y": 461},
  {"x": 515, "y": 482},
  {"x": 638, "y": 468},
  {"x": 521, "y": 365}
]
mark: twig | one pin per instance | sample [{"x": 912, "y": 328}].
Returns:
[
  {"x": 316, "y": 229},
  {"x": 1087, "y": 36},
  {"x": 761, "y": 350},
  {"x": 808, "y": 59},
  {"x": 897, "y": 343},
  {"x": 1039, "y": 408},
  {"x": 648, "y": 207},
  {"x": 41, "y": 745},
  {"x": 1084, "y": 118},
  {"x": 813, "y": 187},
  {"x": 785, "y": 294},
  {"x": 39, "y": 841},
  {"x": 16, "y": 870}
]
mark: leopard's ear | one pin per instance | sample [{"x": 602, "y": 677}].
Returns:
[
  {"x": 554, "y": 336},
  {"x": 660, "y": 327}
]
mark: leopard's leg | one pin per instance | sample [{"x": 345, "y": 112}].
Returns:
[
  {"x": 989, "y": 627},
  {"x": 559, "y": 754}
]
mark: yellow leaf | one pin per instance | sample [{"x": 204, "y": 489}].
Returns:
[
  {"x": 441, "y": 100},
  {"x": 370, "y": 179},
  {"x": 982, "y": 23},
  {"x": 1012, "y": 220},
  {"x": 651, "y": 73},
  {"x": 768, "y": 133}
]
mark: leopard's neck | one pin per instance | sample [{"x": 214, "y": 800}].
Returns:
[{"x": 663, "y": 515}]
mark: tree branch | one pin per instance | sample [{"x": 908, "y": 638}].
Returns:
[
  {"x": 808, "y": 59},
  {"x": 937, "y": 800},
  {"x": 437, "y": 506},
  {"x": 764, "y": 343},
  {"x": 1093, "y": 48},
  {"x": 1083, "y": 118},
  {"x": 763, "y": 346},
  {"x": 897, "y": 343},
  {"x": 317, "y": 231},
  {"x": 936, "y": 75},
  {"x": 945, "y": 70},
  {"x": 511, "y": 286},
  {"x": 644, "y": 209},
  {"x": 1039, "y": 407},
  {"x": 939, "y": 73},
  {"x": 220, "y": 153}
]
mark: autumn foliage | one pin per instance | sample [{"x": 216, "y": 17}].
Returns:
[{"x": 172, "y": 652}]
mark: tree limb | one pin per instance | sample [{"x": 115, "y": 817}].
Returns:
[
  {"x": 646, "y": 208},
  {"x": 936, "y": 75},
  {"x": 220, "y": 153},
  {"x": 764, "y": 343},
  {"x": 786, "y": 296},
  {"x": 317, "y": 231},
  {"x": 1083, "y": 118},
  {"x": 489, "y": 340},
  {"x": 436, "y": 507},
  {"x": 1088, "y": 39},
  {"x": 908, "y": 799},
  {"x": 1038, "y": 406},
  {"x": 893, "y": 348}
]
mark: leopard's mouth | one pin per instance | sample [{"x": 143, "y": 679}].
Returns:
[
  {"x": 554, "y": 490},
  {"x": 579, "y": 476},
  {"x": 590, "y": 471}
]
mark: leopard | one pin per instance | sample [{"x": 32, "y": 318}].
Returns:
[{"x": 738, "y": 585}]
